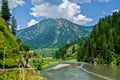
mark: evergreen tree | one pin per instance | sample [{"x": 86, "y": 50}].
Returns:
[
  {"x": 5, "y": 13},
  {"x": 13, "y": 25}
]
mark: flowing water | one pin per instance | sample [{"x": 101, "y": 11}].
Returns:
[{"x": 74, "y": 72}]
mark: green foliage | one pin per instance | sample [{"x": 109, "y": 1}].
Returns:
[
  {"x": 47, "y": 61},
  {"x": 1, "y": 28},
  {"x": 70, "y": 50},
  {"x": 47, "y": 52},
  {"x": 38, "y": 63},
  {"x": 11, "y": 62},
  {"x": 26, "y": 47},
  {"x": 13, "y": 51},
  {"x": 103, "y": 45},
  {"x": 5, "y": 10},
  {"x": 1, "y": 54}
]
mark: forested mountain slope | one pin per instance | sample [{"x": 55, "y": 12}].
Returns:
[
  {"x": 102, "y": 46},
  {"x": 52, "y": 33}
]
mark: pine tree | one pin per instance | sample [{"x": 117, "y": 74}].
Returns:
[
  {"x": 13, "y": 25},
  {"x": 5, "y": 13}
]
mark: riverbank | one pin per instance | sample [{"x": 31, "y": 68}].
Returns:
[
  {"x": 47, "y": 62},
  {"x": 60, "y": 66},
  {"x": 92, "y": 73},
  {"x": 50, "y": 63}
]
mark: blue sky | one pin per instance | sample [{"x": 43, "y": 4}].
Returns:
[{"x": 82, "y": 12}]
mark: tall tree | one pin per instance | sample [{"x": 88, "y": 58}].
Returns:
[
  {"x": 13, "y": 25},
  {"x": 5, "y": 13}
]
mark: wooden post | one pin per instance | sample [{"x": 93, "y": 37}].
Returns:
[{"x": 4, "y": 58}]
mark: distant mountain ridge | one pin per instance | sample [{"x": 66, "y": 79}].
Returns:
[
  {"x": 90, "y": 28},
  {"x": 51, "y": 33}
]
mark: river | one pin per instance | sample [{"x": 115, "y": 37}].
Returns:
[{"x": 74, "y": 72}]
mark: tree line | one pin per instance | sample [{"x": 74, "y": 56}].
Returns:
[
  {"x": 69, "y": 50},
  {"x": 10, "y": 19},
  {"x": 103, "y": 44}
]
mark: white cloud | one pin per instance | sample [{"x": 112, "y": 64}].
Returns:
[
  {"x": 104, "y": 1},
  {"x": 35, "y": 2},
  {"x": 115, "y": 10},
  {"x": 14, "y": 3},
  {"x": 55, "y": 2},
  {"x": 31, "y": 22},
  {"x": 81, "y": 1},
  {"x": 18, "y": 27},
  {"x": 68, "y": 10},
  {"x": 0, "y": 4}
]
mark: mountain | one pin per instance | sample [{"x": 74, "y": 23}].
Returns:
[
  {"x": 52, "y": 33},
  {"x": 90, "y": 28}
]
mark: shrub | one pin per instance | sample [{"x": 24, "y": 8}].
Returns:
[{"x": 1, "y": 28}]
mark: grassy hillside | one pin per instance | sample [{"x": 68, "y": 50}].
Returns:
[
  {"x": 14, "y": 52},
  {"x": 8, "y": 41}
]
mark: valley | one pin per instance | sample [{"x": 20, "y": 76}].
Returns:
[{"x": 59, "y": 40}]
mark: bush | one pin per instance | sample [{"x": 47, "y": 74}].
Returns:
[
  {"x": 15, "y": 53},
  {"x": 1, "y": 54},
  {"x": 1, "y": 28},
  {"x": 38, "y": 64},
  {"x": 26, "y": 47}
]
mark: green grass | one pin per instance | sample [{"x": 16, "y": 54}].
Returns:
[
  {"x": 11, "y": 62},
  {"x": 47, "y": 62},
  {"x": 21, "y": 74},
  {"x": 8, "y": 40}
]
